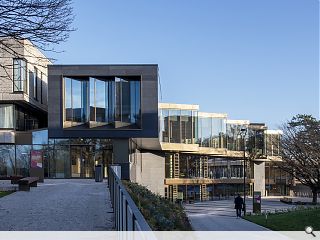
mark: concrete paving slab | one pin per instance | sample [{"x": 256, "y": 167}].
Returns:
[
  {"x": 58, "y": 205},
  {"x": 221, "y": 215}
]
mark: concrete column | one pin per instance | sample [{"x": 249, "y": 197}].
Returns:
[{"x": 121, "y": 156}]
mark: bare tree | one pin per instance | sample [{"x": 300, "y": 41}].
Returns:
[
  {"x": 43, "y": 23},
  {"x": 300, "y": 146}
]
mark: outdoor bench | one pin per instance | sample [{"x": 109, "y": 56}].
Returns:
[
  {"x": 286, "y": 200},
  {"x": 26, "y": 183},
  {"x": 14, "y": 178}
]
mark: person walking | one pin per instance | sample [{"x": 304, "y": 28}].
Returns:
[{"x": 238, "y": 202}]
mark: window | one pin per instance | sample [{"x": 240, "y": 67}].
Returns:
[
  {"x": 35, "y": 84},
  {"x": 127, "y": 97},
  {"x": 102, "y": 101},
  {"x": 41, "y": 92},
  {"x": 19, "y": 75},
  {"x": 6, "y": 116},
  {"x": 101, "y": 110},
  {"x": 76, "y": 101}
]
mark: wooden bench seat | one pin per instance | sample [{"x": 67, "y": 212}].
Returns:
[
  {"x": 26, "y": 183},
  {"x": 14, "y": 178},
  {"x": 286, "y": 200}
]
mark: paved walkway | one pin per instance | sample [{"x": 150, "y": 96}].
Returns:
[
  {"x": 221, "y": 216},
  {"x": 58, "y": 204}
]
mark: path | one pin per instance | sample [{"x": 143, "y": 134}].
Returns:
[
  {"x": 58, "y": 204},
  {"x": 220, "y": 215}
]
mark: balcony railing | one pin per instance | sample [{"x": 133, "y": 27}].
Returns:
[{"x": 127, "y": 216}]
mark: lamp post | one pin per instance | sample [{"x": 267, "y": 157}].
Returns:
[{"x": 242, "y": 133}]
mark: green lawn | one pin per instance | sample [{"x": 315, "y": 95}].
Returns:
[
  {"x": 2, "y": 194},
  {"x": 290, "y": 221}
]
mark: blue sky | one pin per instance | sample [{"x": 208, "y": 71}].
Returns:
[{"x": 256, "y": 60}]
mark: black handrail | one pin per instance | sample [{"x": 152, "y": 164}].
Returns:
[{"x": 127, "y": 216}]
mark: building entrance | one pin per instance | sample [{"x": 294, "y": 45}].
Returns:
[{"x": 85, "y": 158}]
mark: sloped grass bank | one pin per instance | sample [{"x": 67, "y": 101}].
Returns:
[
  {"x": 160, "y": 213},
  {"x": 289, "y": 221},
  {"x": 5, "y": 193}
]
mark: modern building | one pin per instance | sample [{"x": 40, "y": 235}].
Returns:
[
  {"x": 200, "y": 156},
  {"x": 66, "y": 119},
  {"x": 23, "y": 102},
  {"x": 95, "y": 112}
]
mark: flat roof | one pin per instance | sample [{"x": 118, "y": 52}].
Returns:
[
  {"x": 178, "y": 106},
  {"x": 238, "y": 122}
]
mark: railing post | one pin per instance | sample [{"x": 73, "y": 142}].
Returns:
[{"x": 127, "y": 216}]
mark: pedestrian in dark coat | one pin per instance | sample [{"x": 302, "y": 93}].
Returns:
[{"x": 238, "y": 202}]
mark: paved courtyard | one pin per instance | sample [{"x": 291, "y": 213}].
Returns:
[
  {"x": 58, "y": 205},
  {"x": 221, "y": 216}
]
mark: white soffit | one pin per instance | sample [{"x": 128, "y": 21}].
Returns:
[{"x": 178, "y": 106}]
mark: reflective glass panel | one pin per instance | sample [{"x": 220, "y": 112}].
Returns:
[
  {"x": 19, "y": 75},
  {"x": 67, "y": 102},
  {"x": 186, "y": 126},
  {"x": 7, "y": 162},
  {"x": 205, "y": 131},
  {"x": 174, "y": 125},
  {"x": 100, "y": 101},
  {"x": 6, "y": 116},
  {"x": 40, "y": 137},
  {"x": 218, "y": 132}
]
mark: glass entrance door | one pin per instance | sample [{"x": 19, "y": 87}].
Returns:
[
  {"x": 82, "y": 162},
  {"x": 85, "y": 157}
]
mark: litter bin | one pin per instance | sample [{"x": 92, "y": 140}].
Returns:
[{"x": 99, "y": 173}]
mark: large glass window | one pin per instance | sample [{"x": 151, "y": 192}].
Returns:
[
  {"x": 35, "y": 83},
  {"x": 255, "y": 143},
  {"x": 218, "y": 132},
  {"x": 272, "y": 144},
  {"x": 111, "y": 101},
  {"x": 25, "y": 120},
  {"x": 40, "y": 137},
  {"x": 76, "y": 101},
  {"x": 205, "y": 131},
  {"x": 174, "y": 126},
  {"x": 234, "y": 141},
  {"x": 127, "y": 102},
  {"x": 178, "y": 126},
  {"x": 67, "y": 100},
  {"x": 6, "y": 116},
  {"x": 186, "y": 126},
  {"x": 19, "y": 75},
  {"x": 7, "y": 160},
  {"x": 164, "y": 125},
  {"x": 101, "y": 101}
]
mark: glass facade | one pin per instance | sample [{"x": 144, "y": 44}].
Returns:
[
  {"x": 17, "y": 118},
  {"x": 178, "y": 126},
  {"x": 256, "y": 141},
  {"x": 212, "y": 132},
  {"x": 113, "y": 102},
  {"x": 35, "y": 83},
  {"x": 272, "y": 144},
  {"x": 6, "y": 116},
  {"x": 76, "y": 101},
  {"x": 234, "y": 140},
  {"x": 7, "y": 160},
  {"x": 19, "y": 75}
]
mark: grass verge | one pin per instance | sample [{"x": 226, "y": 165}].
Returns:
[
  {"x": 290, "y": 221},
  {"x": 2, "y": 193},
  {"x": 160, "y": 213}
]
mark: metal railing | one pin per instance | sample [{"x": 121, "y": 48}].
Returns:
[{"x": 127, "y": 216}]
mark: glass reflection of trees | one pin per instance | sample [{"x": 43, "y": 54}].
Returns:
[
  {"x": 218, "y": 168},
  {"x": 102, "y": 101}
]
